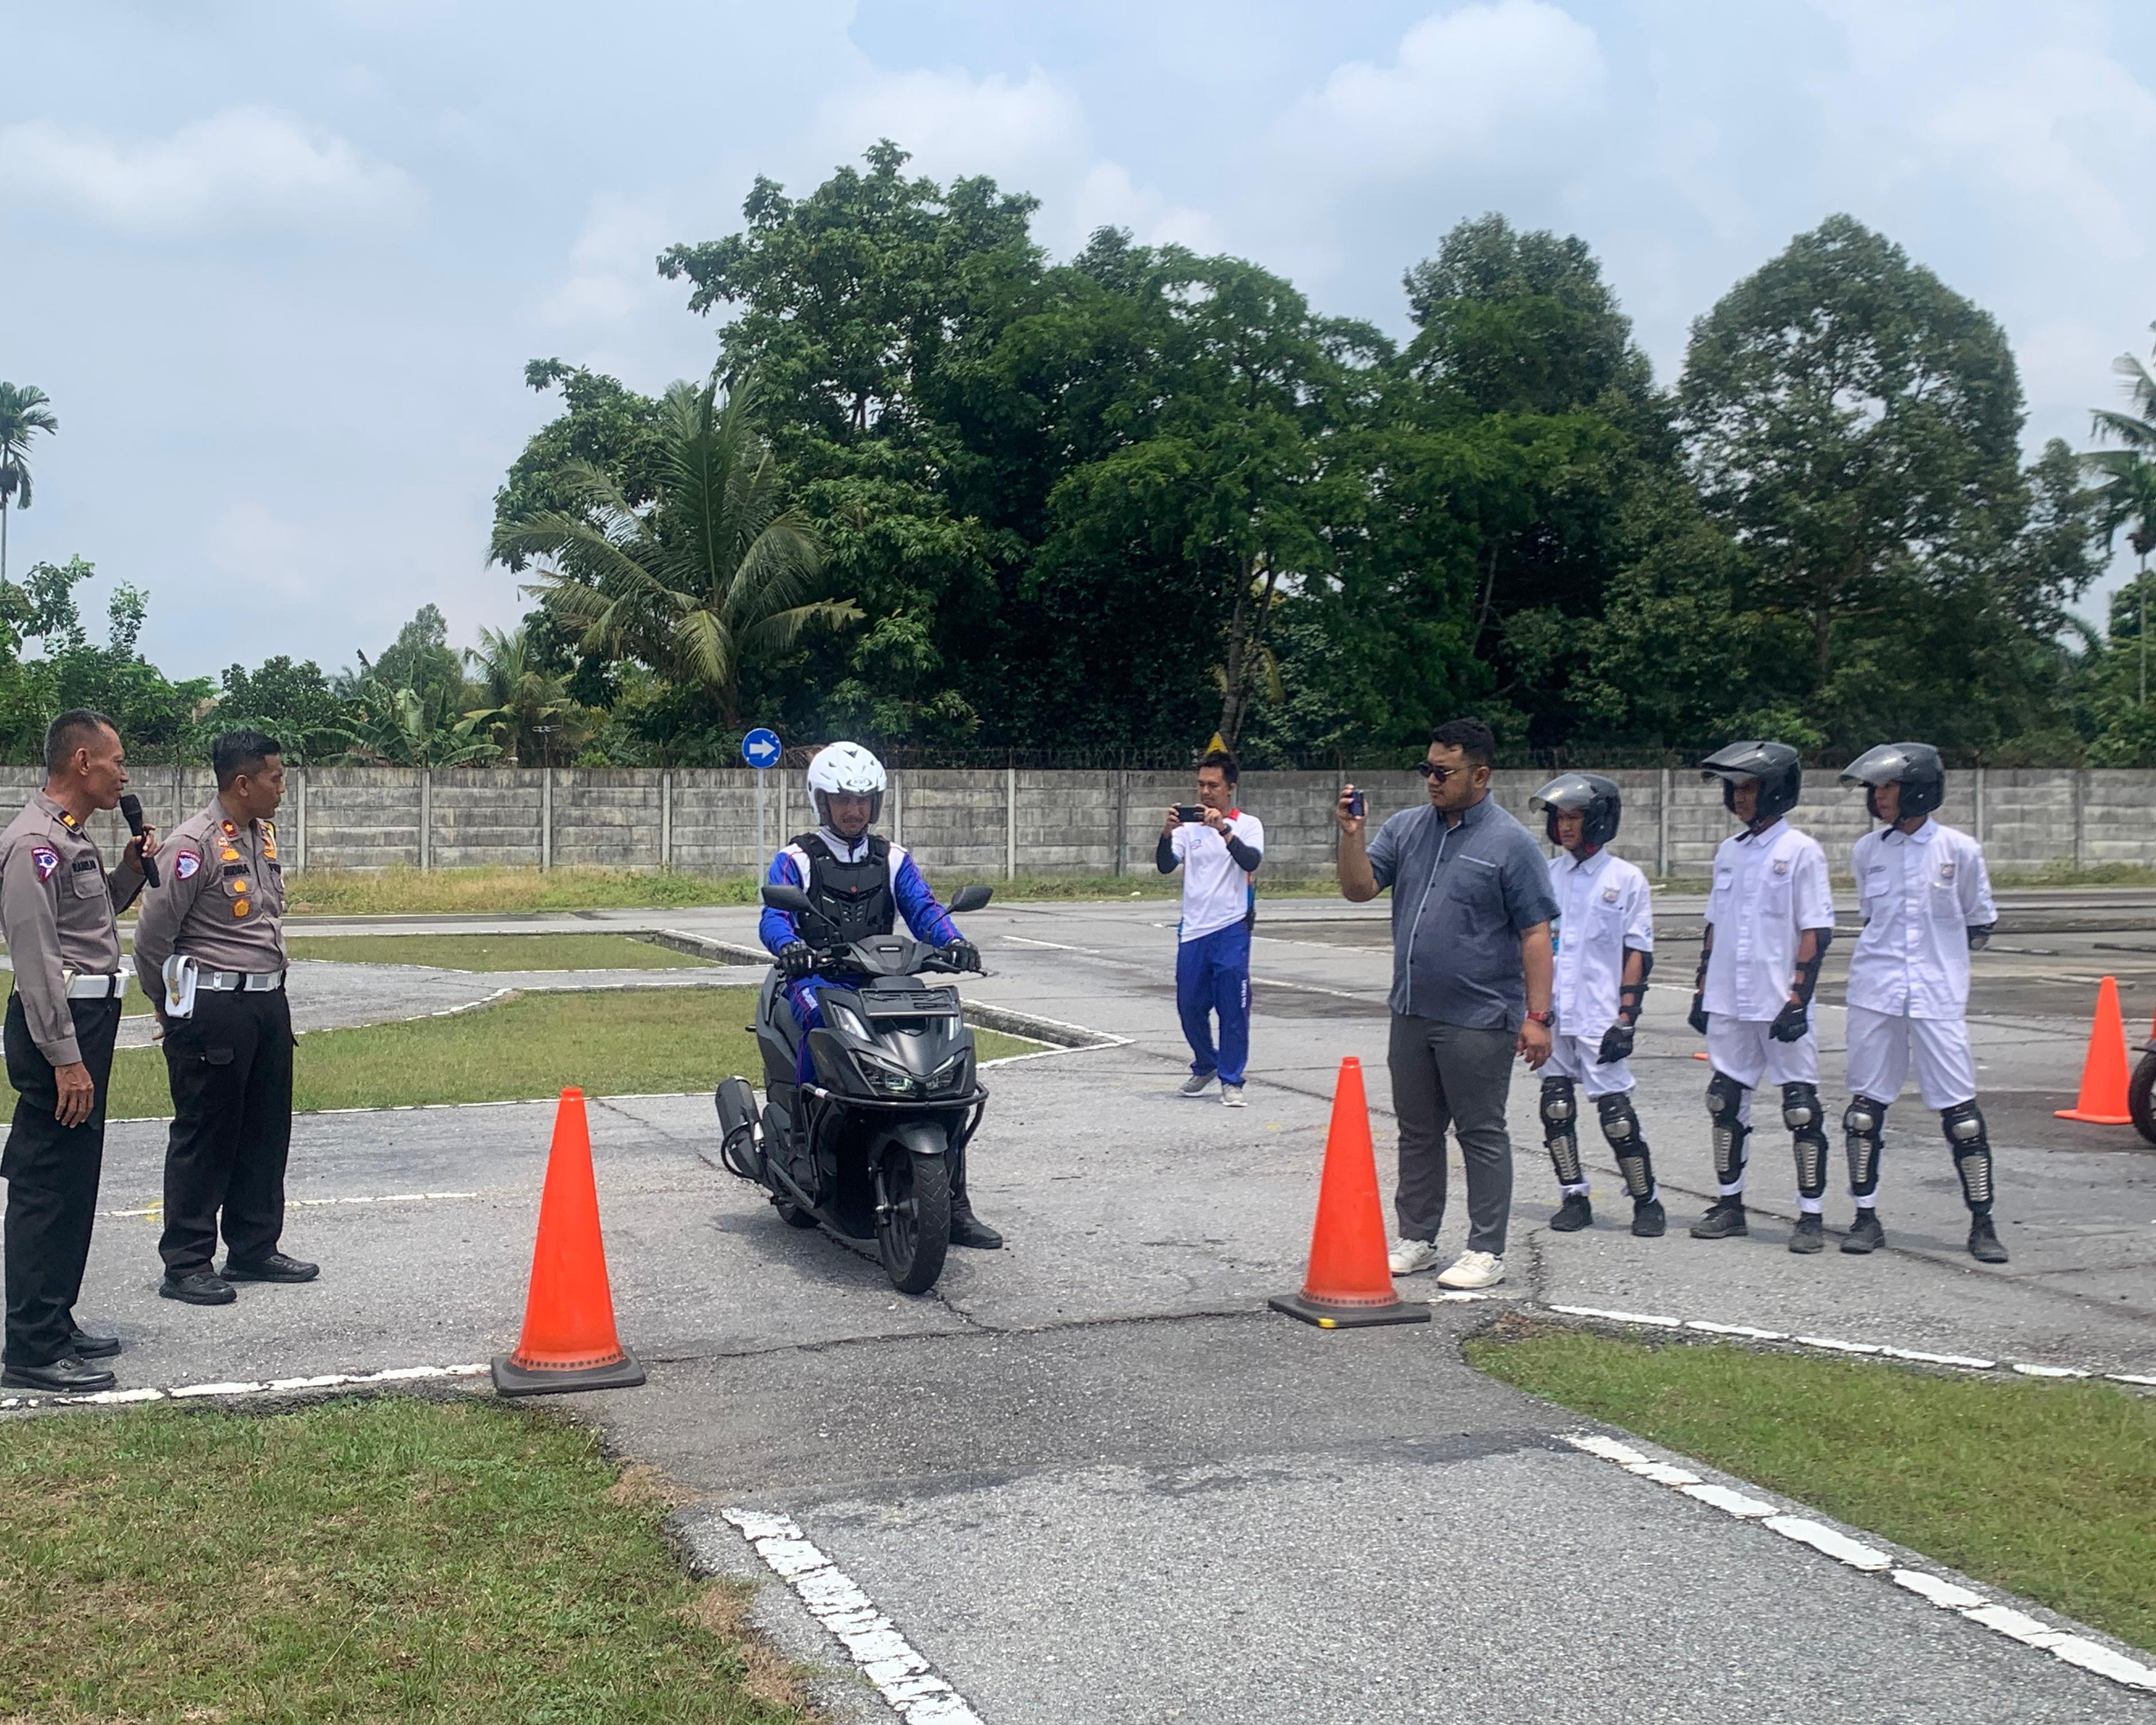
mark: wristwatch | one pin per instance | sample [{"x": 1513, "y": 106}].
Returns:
[{"x": 1541, "y": 1018}]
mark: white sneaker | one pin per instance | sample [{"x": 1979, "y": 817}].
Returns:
[
  {"x": 1410, "y": 1255},
  {"x": 1474, "y": 1269},
  {"x": 1231, "y": 1096}
]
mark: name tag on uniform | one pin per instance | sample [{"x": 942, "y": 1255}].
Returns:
[{"x": 82, "y": 862}]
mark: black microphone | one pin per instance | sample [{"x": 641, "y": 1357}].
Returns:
[{"x": 131, "y": 809}]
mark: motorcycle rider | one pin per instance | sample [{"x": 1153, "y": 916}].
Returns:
[
  {"x": 860, "y": 883},
  {"x": 1605, "y": 949},
  {"x": 1926, "y": 900},
  {"x": 1769, "y": 919}
]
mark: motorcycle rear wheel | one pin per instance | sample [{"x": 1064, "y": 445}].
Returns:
[
  {"x": 2140, "y": 1104},
  {"x": 913, "y": 1219}
]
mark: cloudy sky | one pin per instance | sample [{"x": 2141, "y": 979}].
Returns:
[{"x": 280, "y": 266}]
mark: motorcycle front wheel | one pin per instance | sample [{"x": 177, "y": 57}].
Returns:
[{"x": 913, "y": 1217}]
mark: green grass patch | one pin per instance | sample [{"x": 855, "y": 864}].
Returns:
[
  {"x": 496, "y": 952},
  {"x": 504, "y": 891},
  {"x": 2046, "y": 1488},
  {"x": 617, "y": 1042},
  {"x": 366, "y": 1561}
]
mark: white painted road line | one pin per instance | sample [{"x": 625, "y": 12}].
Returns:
[
  {"x": 158, "y": 1209},
  {"x": 1835, "y": 1344},
  {"x": 2064, "y": 1644},
  {"x": 274, "y": 1386},
  {"x": 902, "y": 1676}
]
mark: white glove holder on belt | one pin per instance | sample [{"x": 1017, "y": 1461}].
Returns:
[{"x": 179, "y": 975}]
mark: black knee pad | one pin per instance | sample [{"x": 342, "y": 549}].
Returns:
[
  {"x": 1864, "y": 1124},
  {"x": 1725, "y": 1096},
  {"x": 1965, "y": 1131},
  {"x": 1620, "y": 1125},
  {"x": 1802, "y": 1114},
  {"x": 1560, "y": 1112}
]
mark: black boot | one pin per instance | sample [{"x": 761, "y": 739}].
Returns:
[
  {"x": 1865, "y": 1234},
  {"x": 1984, "y": 1244},
  {"x": 1724, "y": 1218},
  {"x": 1650, "y": 1221},
  {"x": 1575, "y": 1214},
  {"x": 1809, "y": 1235},
  {"x": 967, "y": 1229}
]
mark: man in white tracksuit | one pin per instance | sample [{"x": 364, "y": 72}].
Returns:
[
  {"x": 1926, "y": 900},
  {"x": 1769, "y": 919},
  {"x": 1605, "y": 948}
]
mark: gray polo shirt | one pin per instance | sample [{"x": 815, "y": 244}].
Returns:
[{"x": 1460, "y": 897}]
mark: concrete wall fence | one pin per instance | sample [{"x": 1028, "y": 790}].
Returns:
[{"x": 989, "y": 824}]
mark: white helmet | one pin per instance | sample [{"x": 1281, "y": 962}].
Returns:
[{"x": 849, "y": 770}]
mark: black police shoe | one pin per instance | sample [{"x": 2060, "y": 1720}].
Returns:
[
  {"x": 1575, "y": 1214},
  {"x": 65, "y": 1376},
  {"x": 1865, "y": 1234},
  {"x": 1984, "y": 1244},
  {"x": 1650, "y": 1221},
  {"x": 85, "y": 1346},
  {"x": 968, "y": 1230},
  {"x": 198, "y": 1287},
  {"x": 276, "y": 1268},
  {"x": 1724, "y": 1219},
  {"x": 1809, "y": 1235}
]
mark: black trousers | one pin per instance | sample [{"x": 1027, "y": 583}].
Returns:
[
  {"x": 52, "y": 1171},
  {"x": 231, "y": 1069}
]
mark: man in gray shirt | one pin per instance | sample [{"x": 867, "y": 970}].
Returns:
[{"x": 1471, "y": 976}]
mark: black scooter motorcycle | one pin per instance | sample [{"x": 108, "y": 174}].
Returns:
[{"x": 870, "y": 1148}]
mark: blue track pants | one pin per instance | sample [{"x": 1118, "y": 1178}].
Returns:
[{"x": 1212, "y": 977}]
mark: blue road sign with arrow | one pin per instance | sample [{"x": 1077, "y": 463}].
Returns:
[{"x": 760, "y": 748}]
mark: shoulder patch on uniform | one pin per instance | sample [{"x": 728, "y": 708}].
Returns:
[
  {"x": 186, "y": 865},
  {"x": 47, "y": 860}
]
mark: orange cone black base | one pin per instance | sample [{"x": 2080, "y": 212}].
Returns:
[
  {"x": 1347, "y": 1317},
  {"x": 510, "y": 1379},
  {"x": 1350, "y": 1284}
]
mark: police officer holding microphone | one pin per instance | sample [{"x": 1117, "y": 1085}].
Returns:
[
  {"x": 59, "y": 912},
  {"x": 211, "y": 954}
]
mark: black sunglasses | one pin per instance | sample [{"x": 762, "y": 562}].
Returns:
[{"x": 1439, "y": 773}]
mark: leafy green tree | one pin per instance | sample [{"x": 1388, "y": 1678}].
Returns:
[
  {"x": 603, "y": 426},
  {"x": 393, "y": 725},
  {"x": 518, "y": 695},
  {"x": 716, "y": 570},
  {"x": 293, "y": 703},
  {"x": 25, "y": 410},
  {"x": 1855, "y": 422}
]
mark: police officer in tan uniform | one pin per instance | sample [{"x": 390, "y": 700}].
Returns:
[
  {"x": 58, "y": 910},
  {"x": 211, "y": 954}
]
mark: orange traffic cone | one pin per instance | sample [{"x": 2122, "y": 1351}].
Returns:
[
  {"x": 1349, "y": 1283},
  {"x": 2103, "y": 1074},
  {"x": 569, "y": 1339}
]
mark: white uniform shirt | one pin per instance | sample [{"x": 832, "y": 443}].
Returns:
[
  {"x": 1920, "y": 894},
  {"x": 1216, "y": 894},
  {"x": 1604, "y": 906},
  {"x": 1767, "y": 891}
]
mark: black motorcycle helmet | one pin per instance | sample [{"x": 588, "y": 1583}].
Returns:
[
  {"x": 1595, "y": 796},
  {"x": 1775, "y": 765},
  {"x": 1916, "y": 766}
]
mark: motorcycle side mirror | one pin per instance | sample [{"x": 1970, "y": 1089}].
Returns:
[
  {"x": 790, "y": 899},
  {"x": 971, "y": 898}
]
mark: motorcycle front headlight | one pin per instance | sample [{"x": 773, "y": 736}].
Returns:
[
  {"x": 949, "y": 1078},
  {"x": 891, "y": 1080}
]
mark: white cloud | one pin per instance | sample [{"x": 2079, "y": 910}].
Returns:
[
  {"x": 1510, "y": 81},
  {"x": 612, "y": 274},
  {"x": 1030, "y": 134},
  {"x": 246, "y": 167}
]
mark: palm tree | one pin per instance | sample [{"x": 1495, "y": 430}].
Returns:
[
  {"x": 519, "y": 694},
  {"x": 25, "y": 410},
  {"x": 716, "y": 569},
  {"x": 2127, "y": 481}
]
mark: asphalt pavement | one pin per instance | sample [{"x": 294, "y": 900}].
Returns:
[{"x": 1091, "y": 1478}]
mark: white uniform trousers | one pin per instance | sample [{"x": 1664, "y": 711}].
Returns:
[
  {"x": 1881, "y": 1042},
  {"x": 1740, "y": 1049},
  {"x": 1573, "y": 1057}
]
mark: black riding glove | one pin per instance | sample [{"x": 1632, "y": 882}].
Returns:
[
  {"x": 1791, "y": 1023},
  {"x": 964, "y": 955},
  {"x": 1696, "y": 1017},
  {"x": 796, "y": 960},
  {"x": 1616, "y": 1044}
]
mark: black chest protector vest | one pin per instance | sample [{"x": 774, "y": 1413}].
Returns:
[{"x": 851, "y": 901}]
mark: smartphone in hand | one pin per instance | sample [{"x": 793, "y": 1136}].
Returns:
[
  {"x": 1358, "y": 805},
  {"x": 1189, "y": 813}
]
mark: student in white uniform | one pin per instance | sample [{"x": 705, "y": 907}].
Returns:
[
  {"x": 1926, "y": 901},
  {"x": 1605, "y": 949},
  {"x": 1769, "y": 919}
]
